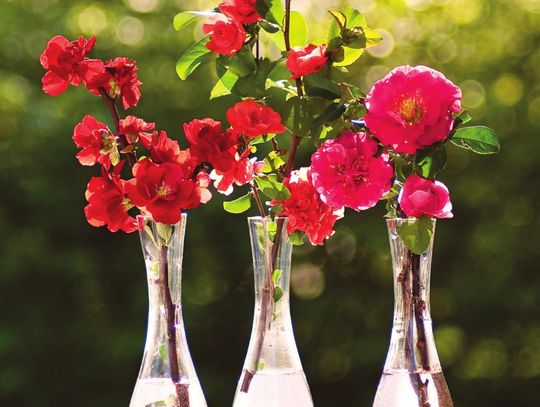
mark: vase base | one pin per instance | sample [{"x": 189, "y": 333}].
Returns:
[
  {"x": 275, "y": 390},
  {"x": 404, "y": 389}
]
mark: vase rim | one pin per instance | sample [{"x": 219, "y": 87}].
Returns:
[
  {"x": 148, "y": 217},
  {"x": 260, "y": 218},
  {"x": 408, "y": 219}
]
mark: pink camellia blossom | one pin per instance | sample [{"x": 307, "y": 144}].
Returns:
[
  {"x": 98, "y": 143},
  {"x": 227, "y": 35},
  {"x": 411, "y": 108},
  {"x": 306, "y": 60},
  {"x": 346, "y": 172},
  {"x": 305, "y": 209},
  {"x": 423, "y": 197}
]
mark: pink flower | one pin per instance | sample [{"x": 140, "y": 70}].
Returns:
[
  {"x": 107, "y": 203},
  {"x": 303, "y": 61},
  {"x": 253, "y": 119},
  {"x": 227, "y": 35},
  {"x": 423, "y": 197},
  {"x": 411, "y": 108},
  {"x": 305, "y": 209},
  {"x": 241, "y": 10},
  {"x": 98, "y": 144},
  {"x": 346, "y": 172},
  {"x": 66, "y": 64}
]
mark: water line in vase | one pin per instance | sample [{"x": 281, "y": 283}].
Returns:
[{"x": 182, "y": 390}]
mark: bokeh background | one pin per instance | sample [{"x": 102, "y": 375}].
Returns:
[{"x": 73, "y": 298}]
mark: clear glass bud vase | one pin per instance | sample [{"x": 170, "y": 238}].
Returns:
[
  {"x": 167, "y": 376},
  {"x": 272, "y": 374},
  {"x": 412, "y": 375}
]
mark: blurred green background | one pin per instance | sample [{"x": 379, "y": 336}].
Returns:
[{"x": 73, "y": 298}]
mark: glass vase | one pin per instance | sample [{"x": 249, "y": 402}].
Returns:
[
  {"x": 412, "y": 375},
  {"x": 272, "y": 375},
  {"x": 167, "y": 376}
]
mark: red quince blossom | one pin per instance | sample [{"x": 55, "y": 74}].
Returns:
[
  {"x": 253, "y": 119},
  {"x": 241, "y": 172},
  {"x": 133, "y": 128},
  {"x": 241, "y": 10},
  {"x": 305, "y": 209},
  {"x": 98, "y": 143},
  {"x": 120, "y": 79},
  {"x": 208, "y": 143},
  {"x": 162, "y": 148},
  {"x": 66, "y": 64},
  {"x": 411, "y": 108},
  {"x": 423, "y": 197},
  {"x": 306, "y": 60},
  {"x": 107, "y": 202},
  {"x": 164, "y": 190},
  {"x": 227, "y": 35},
  {"x": 346, "y": 171}
]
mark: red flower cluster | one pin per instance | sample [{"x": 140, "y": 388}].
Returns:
[
  {"x": 253, "y": 119},
  {"x": 306, "y": 60},
  {"x": 305, "y": 209}
]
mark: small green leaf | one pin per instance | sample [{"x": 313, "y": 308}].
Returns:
[
  {"x": 416, "y": 234},
  {"x": 273, "y": 162},
  {"x": 278, "y": 294},
  {"x": 272, "y": 11},
  {"x": 332, "y": 112},
  {"x": 224, "y": 85},
  {"x": 269, "y": 27},
  {"x": 318, "y": 85},
  {"x": 185, "y": 18},
  {"x": 261, "y": 365},
  {"x": 192, "y": 58},
  {"x": 353, "y": 19},
  {"x": 341, "y": 19},
  {"x": 239, "y": 205},
  {"x": 163, "y": 352},
  {"x": 462, "y": 118},
  {"x": 272, "y": 188},
  {"x": 298, "y": 32},
  {"x": 480, "y": 139},
  {"x": 297, "y": 238},
  {"x": 276, "y": 276},
  {"x": 242, "y": 64},
  {"x": 430, "y": 161},
  {"x": 164, "y": 232}
]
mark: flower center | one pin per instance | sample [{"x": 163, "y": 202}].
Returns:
[
  {"x": 163, "y": 190},
  {"x": 410, "y": 109}
]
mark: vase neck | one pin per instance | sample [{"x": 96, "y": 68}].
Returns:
[{"x": 412, "y": 346}]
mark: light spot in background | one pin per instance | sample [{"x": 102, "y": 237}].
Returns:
[
  {"x": 15, "y": 89},
  {"x": 142, "y": 6},
  {"x": 518, "y": 211},
  {"x": 331, "y": 364},
  {"x": 442, "y": 49},
  {"x": 342, "y": 247},
  {"x": 464, "y": 11},
  {"x": 474, "y": 94},
  {"x": 92, "y": 20},
  {"x": 508, "y": 89},
  {"x": 383, "y": 48},
  {"x": 307, "y": 281},
  {"x": 527, "y": 362},
  {"x": 130, "y": 31},
  {"x": 439, "y": 2},
  {"x": 406, "y": 31},
  {"x": 450, "y": 340},
  {"x": 374, "y": 74},
  {"x": 531, "y": 5},
  {"x": 486, "y": 360},
  {"x": 365, "y": 6},
  {"x": 534, "y": 111},
  {"x": 417, "y": 5}
]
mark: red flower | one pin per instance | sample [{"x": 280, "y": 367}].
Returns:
[
  {"x": 240, "y": 173},
  {"x": 120, "y": 79},
  {"x": 209, "y": 144},
  {"x": 66, "y": 64},
  {"x": 164, "y": 190},
  {"x": 253, "y": 119},
  {"x": 307, "y": 60},
  {"x": 305, "y": 209},
  {"x": 132, "y": 127},
  {"x": 98, "y": 144},
  {"x": 241, "y": 10},
  {"x": 423, "y": 197},
  {"x": 107, "y": 203},
  {"x": 162, "y": 148},
  {"x": 227, "y": 35}
]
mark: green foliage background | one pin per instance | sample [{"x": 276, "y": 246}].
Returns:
[{"x": 73, "y": 298}]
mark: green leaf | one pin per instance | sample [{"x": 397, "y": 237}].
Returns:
[
  {"x": 297, "y": 238},
  {"x": 273, "y": 161},
  {"x": 272, "y": 188},
  {"x": 192, "y": 58},
  {"x": 480, "y": 139},
  {"x": 163, "y": 352},
  {"x": 430, "y": 161},
  {"x": 318, "y": 85},
  {"x": 462, "y": 118},
  {"x": 224, "y": 85},
  {"x": 262, "y": 139},
  {"x": 298, "y": 32},
  {"x": 341, "y": 19},
  {"x": 185, "y": 18},
  {"x": 164, "y": 232},
  {"x": 272, "y": 11},
  {"x": 276, "y": 275},
  {"x": 239, "y": 205},
  {"x": 333, "y": 112},
  {"x": 353, "y": 19},
  {"x": 278, "y": 294},
  {"x": 416, "y": 234},
  {"x": 242, "y": 64}
]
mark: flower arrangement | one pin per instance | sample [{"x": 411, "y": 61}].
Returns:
[{"x": 386, "y": 145}]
